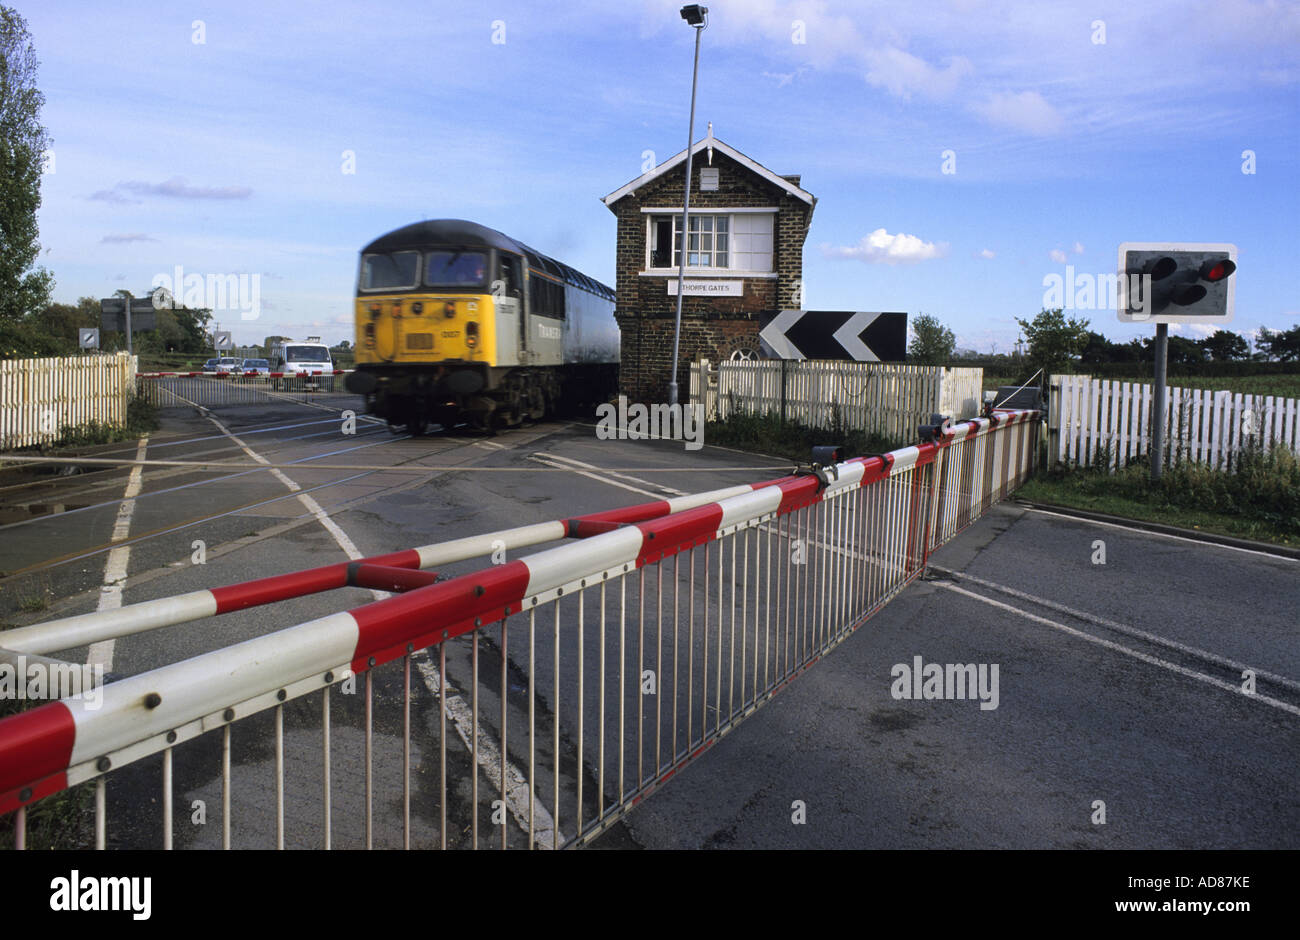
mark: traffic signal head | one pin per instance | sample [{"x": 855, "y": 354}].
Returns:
[{"x": 1176, "y": 282}]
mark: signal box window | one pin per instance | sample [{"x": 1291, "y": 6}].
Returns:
[
  {"x": 456, "y": 269},
  {"x": 708, "y": 241},
  {"x": 398, "y": 271},
  {"x": 740, "y": 241}
]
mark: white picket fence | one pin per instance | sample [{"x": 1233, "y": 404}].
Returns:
[
  {"x": 40, "y": 397},
  {"x": 880, "y": 398},
  {"x": 1088, "y": 415}
]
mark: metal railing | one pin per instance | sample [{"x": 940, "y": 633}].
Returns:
[
  {"x": 219, "y": 389},
  {"x": 573, "y": 680}
]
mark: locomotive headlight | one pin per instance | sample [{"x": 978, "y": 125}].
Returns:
[
  {"x": 449, "y": 309},
  {"x": 374, "y": 310},
  {"x": 471, "y": 334},
  {"x": 417, "y": 307}
]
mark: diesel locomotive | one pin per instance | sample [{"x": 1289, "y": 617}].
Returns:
[{"x": 457, "y": 322}]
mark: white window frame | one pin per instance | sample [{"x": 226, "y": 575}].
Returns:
[{"x": 698, "y": 270}]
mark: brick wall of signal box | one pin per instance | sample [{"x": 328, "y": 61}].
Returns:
[{"x": 712, "y": 327}]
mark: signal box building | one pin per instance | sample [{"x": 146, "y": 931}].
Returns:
[{"x": 744, "y": 262}]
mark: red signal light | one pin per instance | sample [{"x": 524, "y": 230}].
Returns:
[{"x": 1213, "y": 271}]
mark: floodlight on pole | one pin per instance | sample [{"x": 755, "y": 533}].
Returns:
[{"x": 697, "y": 17}]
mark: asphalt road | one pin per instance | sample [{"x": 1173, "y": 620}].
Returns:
[
  {"x": 1118, "y": 684},
  {"x": 1089, "y": 712}
]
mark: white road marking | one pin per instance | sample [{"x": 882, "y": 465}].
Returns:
[
  {"x": 110, "y": 595},
  {"x": 599, "y": 479},
  {"x": 489, "y": 759},
  {"x": 1193, "y": 651},
  {"x": 1118, "y": 648},
  {"x": 313, "y": 507},
  {"x": 461, "y": 714},
  {"x": 571, "y": 462},
  {"x": 1163, "y": 535}
]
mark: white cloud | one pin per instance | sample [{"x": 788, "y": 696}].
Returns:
[
  {"x": 903, "y": 74},
  {"x": 1078, "y": 247},
  {"x": 1055, "y": 254},
  {"x": 784, "y": 78},
  {"x": 1027, "y": 111},
  {"x": 882, "y": 248},
  {"x": 985, "y": 253}
]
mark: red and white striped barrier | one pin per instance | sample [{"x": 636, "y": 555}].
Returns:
[
  {"x": 259, "y": 373},
  {"x": 64, "y": 743}
]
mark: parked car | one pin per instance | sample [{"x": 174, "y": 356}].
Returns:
[
  {"x": 228, "y": 364},
  {"x": 253, "y": 366},
  {"x": 210, "y": 365}
]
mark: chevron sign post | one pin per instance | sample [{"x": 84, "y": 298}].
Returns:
[{"x": 835, "y": 334}]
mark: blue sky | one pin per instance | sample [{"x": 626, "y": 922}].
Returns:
[{"x": 226, "y": 156}]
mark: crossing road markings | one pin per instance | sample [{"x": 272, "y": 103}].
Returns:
[
  {"x": 110, "y": 595},
  {"x": 1118, "y": 648},
  {"x": 489, "y": 758},
  {"x": 1192, "y": 651},
  {"x": 462, "y": 717},
  {"x": 601, "y": 474}
]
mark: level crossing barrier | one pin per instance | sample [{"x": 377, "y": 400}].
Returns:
[
  {"x": 223, "y": 389},
  {"x": 553, "y": 691}
]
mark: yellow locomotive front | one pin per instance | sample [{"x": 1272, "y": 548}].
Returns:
[
  {"x": 426, "y": 324},
  {"x": 458, "y": 322}
]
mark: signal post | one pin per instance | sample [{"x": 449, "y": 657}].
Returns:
[{"x": 1173, "y": 282}]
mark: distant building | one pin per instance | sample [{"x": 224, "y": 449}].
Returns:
[{"x": 744, "y": 262}]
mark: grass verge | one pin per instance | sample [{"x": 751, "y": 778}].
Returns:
[{"x": 1258, "y": 498}]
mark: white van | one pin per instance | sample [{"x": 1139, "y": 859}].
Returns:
[{"x": 294, "y": 358}]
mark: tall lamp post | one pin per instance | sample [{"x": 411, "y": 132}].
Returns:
[{"x": 698, "y": 17}]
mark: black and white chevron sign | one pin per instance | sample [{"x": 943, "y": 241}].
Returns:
[{"x": 835, "y": 334}]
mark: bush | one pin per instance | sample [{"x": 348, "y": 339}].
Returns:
[
  {"x": 141, "y": 419},
  {"x": 766, "y": 434}
]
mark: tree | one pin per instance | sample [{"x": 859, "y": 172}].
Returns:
[
  {"x": 1279, "y": 344},
  {"x": 60, "y": 322},
  {"x": 23, "y": 143},
  {"x": 1053, "y": 340},
  {"x": 1224, "y": 345},
  {"x": 932, "y": 342},
  {"x": 1097, "y": 349},
  {"x": 1179, "y": 350}
]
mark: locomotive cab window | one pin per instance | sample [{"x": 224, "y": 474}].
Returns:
[
  {"x": 455, "y": 269},
  {"x": 398, "y": 271},
  {"x": 508, "y": 275}
]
